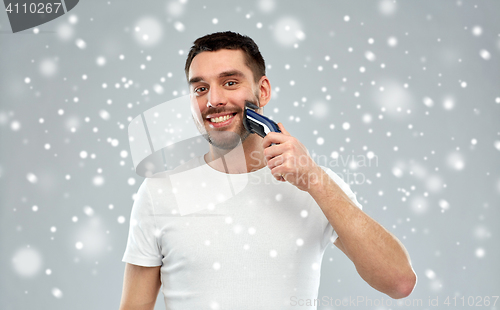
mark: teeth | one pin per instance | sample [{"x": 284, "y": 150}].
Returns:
[{"x": 221, "y": 118}]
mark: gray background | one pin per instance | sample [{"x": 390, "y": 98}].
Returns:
[{"x": 426, "y": 106}]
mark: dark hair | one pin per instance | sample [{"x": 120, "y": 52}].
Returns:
[{"x": 232, "y": 41}]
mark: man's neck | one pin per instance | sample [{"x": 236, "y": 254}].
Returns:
[{"x": 244, "y": 158}]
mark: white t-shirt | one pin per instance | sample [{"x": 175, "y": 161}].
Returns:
[{"x": 229, "y": 241}]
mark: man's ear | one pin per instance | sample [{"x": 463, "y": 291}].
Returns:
[{"x": 264, "y": 90}]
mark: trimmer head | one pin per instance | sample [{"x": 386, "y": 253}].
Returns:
[{"x": 257, "y": 123}]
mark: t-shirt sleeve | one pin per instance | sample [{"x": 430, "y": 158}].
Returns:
[
  {"x": 142, "y": 245},
  {"x": 330, "y": 233}
]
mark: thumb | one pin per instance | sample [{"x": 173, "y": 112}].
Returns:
[{"x": 283, "y": 130}]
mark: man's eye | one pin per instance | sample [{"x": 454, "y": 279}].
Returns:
[
  {"x": 231, "y": 83},
  {"x": 200, "y": 89}
]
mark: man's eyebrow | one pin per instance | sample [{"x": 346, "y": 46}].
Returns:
[
  {"x": 235, "y": 73},
  {"x": 195, "y": 80}
]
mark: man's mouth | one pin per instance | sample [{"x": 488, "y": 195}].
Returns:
[{"x": 221, "y": 121}]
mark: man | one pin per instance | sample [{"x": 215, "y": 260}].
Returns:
[{"x": 262, "y": 248}]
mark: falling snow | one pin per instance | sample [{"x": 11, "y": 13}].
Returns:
[
  {"x": 27, "y": 262},
  {"x": 148, "y": 31},
  {"x": 412, "y": 109}
]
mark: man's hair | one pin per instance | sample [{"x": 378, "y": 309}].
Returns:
[{"x": 232, "y": 41}]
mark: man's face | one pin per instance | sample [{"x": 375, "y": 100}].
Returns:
[{"x": 219, "y": 83}]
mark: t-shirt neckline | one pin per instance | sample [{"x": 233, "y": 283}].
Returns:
[{"x": 209, "y": 169}]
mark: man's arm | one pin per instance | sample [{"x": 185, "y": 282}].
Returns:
[
  {"x": 140, "y": 287},
  {"x": 380, "y": 258}
]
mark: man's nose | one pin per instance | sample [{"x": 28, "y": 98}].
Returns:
[{"x": 216, "y": 97}]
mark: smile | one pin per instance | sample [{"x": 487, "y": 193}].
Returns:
[{"x": 222, "y": 120}]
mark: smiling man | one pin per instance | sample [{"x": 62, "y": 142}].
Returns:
[
  {"x": 220, "y": 82},
  {"x": 263, "y": 247},
  {"x": 234, "y": 83}
]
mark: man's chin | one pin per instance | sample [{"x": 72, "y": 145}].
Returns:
[{"x": 226, "y": 140}]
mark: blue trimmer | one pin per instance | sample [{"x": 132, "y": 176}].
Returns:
[{"x": 257, "y": 123}]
